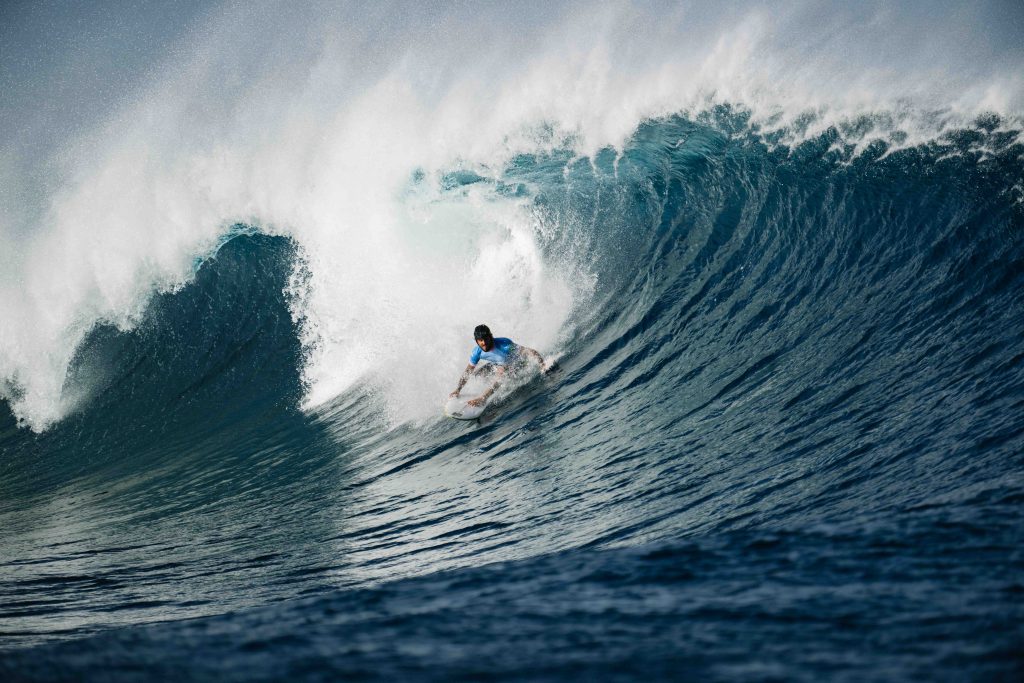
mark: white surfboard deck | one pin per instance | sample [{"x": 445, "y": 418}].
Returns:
[
  {"x": 476, "y": 385},
  {"x": 460, "y": 409}
]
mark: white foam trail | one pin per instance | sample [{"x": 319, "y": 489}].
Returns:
[{"x": 310, "y": 123}]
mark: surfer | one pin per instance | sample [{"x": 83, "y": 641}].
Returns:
[{"x": 502, "y": 353}]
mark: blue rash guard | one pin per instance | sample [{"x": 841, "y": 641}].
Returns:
[{"x": 504, "y": 351}]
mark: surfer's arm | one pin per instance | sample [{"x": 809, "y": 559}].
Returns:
[
  {"x": 482, "y": 398},
  {"x": 533, "y": 354},
  {"x": 546, "y": 369},
  {"x": 462, "y": 380}
]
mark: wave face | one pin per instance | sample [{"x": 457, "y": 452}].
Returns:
[{"x": 783, "y": 443}]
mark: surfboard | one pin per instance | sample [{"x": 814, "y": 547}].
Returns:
[{"x": 460, "y": 409}]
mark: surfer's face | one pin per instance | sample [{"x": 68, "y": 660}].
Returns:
[{"x": 482, "y": 343}]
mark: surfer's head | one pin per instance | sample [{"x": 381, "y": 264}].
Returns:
[{"x": 483, "y": 337}]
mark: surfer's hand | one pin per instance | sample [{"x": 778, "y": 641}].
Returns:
[
  {"x": 454, "y": 394},
  {"x": 476, "y": 402}
]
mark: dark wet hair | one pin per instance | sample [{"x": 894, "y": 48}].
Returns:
[{"x": 484, "y": 332}]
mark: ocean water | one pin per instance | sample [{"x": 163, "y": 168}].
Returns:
[{"x": 778, "y": 254}]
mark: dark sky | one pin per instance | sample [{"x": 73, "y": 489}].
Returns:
[
  {"x": 64, "y": 60},
  {"x": 64, "y": 65}
]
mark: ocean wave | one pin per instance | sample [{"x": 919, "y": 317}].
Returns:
[{"x": 785, "y": 311}]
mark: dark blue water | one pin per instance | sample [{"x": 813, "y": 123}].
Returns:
[{"x": 785, "y": 443}]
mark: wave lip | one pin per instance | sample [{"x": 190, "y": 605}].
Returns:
[{"x": 309, "y": 124}]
